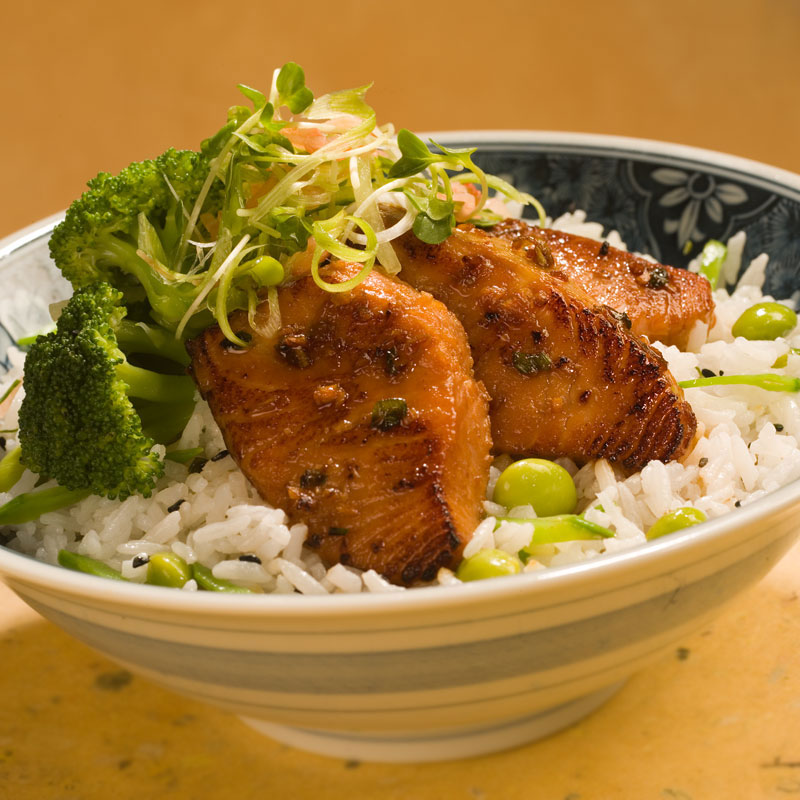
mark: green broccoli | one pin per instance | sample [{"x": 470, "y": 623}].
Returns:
[
  {"x": 79, "y": 422},
  {"x": 126, "y": 230}
]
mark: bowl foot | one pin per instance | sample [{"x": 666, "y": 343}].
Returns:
[{"x": 436, "y": 745}]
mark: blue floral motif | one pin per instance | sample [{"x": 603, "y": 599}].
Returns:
[
  {"x": 777, "y": 234},
  {"x": 692, "y": 195},
  {"x": 666, "y": 206}
]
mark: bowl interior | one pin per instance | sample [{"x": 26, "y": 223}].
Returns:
[{"x": 664, "y": 199}]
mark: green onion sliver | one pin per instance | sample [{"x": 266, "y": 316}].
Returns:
[
  {"x": 30, "y": 506},
  {"x": 207, "y": 582},
  {"x": 10, "y": 469},
  {"x": 768, "y": 381},
  {"x": 184, "y": 456},
  {"x": 91, "y": 566},
  {"x": 326, "y": 242},
  {"x": 7, "y": 392},
  {"x": 561, "y": 528},
  {"x": 711, "y": 261}
]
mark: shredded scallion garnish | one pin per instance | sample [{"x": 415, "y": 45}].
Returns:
[{"x": 293, "y": 176}]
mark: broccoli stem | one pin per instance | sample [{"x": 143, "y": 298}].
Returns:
[
  {"x": 136, "y": 338},
  {"x": 768, "y": 381},
  {"x": 169, "y": 300},
  {"x": 149, "y": 385},
  {"x": 164, "y": 422},
  {"x": 30, "y": 506},
  {"x": 10, "y": 469}
]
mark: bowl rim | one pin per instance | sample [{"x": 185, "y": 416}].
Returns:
[{"x": 692, "y": 541}]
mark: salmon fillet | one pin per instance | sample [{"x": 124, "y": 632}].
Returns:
[
  {"x": 662, "y": 302},
  {"x": 565, "y": 375},
  {"x": 392, "y": 486}
]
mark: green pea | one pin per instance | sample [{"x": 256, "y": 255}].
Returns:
[
  {"x": 488, "y": 564},
  {"x": 91, "y": 566},
  {"x": 267, "y": 271},
  {"x": 167, "y": 569},
  {"x": 206, "y": 580},
  {"x": 765, "y": 321},
  {"x": 546, "y": 486},
  {"x": 675, "y": 521}
]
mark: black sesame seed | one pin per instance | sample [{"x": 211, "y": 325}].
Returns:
[
  {"x": 312, "y": 478},
  {"x": 140, "y": 560},
  {"x": 219, "y": 456},
  {"x": 603, "y": 249},
  {"x": 250, "y": 557},
  {"x": 708, "y": 373},
  {"x": 702, "y": 462},
  {"x": 738, "y": 503},
  {"x": 176, "y": 505},
  {"x": 197, "y": 465},
  {"x": 778, "y": 427}
]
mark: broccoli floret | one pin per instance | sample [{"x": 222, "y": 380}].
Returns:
[
  {"x": 78, "y": 422},
  {"x": 126, "y": 230}
]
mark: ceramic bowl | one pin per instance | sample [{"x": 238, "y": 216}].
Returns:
[{"x": 437, "y": 673}]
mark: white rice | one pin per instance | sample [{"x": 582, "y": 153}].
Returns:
[{"x": 215, "y": 516}]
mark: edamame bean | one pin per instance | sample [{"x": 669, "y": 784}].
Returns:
[
  {"x": 765, "y": 321},
  {"x": 167, "y": 569},
  {"x": 488, "y": 564},
  {"x": 675, "y": 521},
  {"x": 543, "y": 484},
  {"x": 206, "y": 580},
  {"x": 91, "y": 566}
]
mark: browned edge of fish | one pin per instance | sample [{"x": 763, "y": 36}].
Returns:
[{"x": 297, "y": 412}]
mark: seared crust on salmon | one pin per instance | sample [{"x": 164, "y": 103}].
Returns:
[
  {"x": 662, "y": 302},
  {"x": 361, "y": 418},
  {"x": 565, "y": 375}
]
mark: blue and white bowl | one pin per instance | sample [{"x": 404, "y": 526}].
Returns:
[{"x": 449, "y": 672}]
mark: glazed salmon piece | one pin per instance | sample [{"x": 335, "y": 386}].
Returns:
[
  {"x": 565, "y": 375},
  {"x": 361, "y": 418},
  {"x": 662, "y": 302}
]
